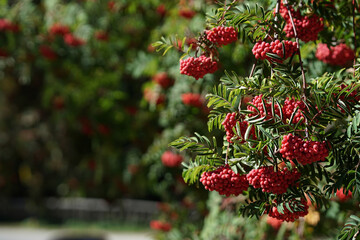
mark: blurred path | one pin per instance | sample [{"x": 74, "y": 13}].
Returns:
[{"x": 18, "y": 233}]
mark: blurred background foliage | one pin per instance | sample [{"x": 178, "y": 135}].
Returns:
[{"x": 87, "y": 107}]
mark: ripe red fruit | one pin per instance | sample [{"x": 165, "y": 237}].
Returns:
[
  {"x": 192, "y": 99},
  {"x": 305, "y": 152},
  {"x": 230, "y": 122},
  {"x": 273, "y": 182},
  {"x": 192, "y": 42},
  {"x": 102, "y": 36},
  {"x": 221, "y": 35},
  {"x": 198, "y": 67},
  {"x": 289, "y": 107},
  {"x": 290, "y": 216},
  {"x": 257, "y": 101},
  {"x": 73, "y": 41},
  {"x": 86, "y": 127},
  {"x": 6, "y": 25},
  {"x": 339, "y": 55},
  {"x": 187, "y": 13},
  {"x": 111, "y": 6},
  {"x": 47, "y": 52},
  {"x": 163, "y": 79},
  {"x": 159, "y": 225},
  {"x": 224, "y": 181},
  {"x": 170, "y": 159},
  {"x": 340, "y": 193},
  {"x": 161, "y": 10},
  {"x": 261, "y": 48},
  {"x": 58, "y": 29}
]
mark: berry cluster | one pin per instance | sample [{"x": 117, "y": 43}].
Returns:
[
  {"x": 221, "y": 35},
  {"x": 307, "y": 27},
  {"x": 163, "y": 79},
  {"x": 305, "y": 152},
  {"x": 299, "y": 209},
  {"x": 198, "y": 67},
  {"x": 160, "y": 225},
  {"x": 272, "y": 182},
  {"x": 6, "y": 25},
  {"x": 102, "y": 36},
  {"x": 170, "y": 159},
  {"x": 230, "y": 122},
  {"x": 257, "y": 101},
  {"x": 192, "y": 99},
  {"x": 73, "y": 41},
  {"x": 340, "y": 55},
  {"x": 289, "y": 107},
  {"x": 342, "y": 196},
  {"x": 352, "y": 97},
  {"x": 261, "y": 48},
  {"x": 58, "y": 29},
  {"x": 224, "y": 181},
  {"x": 187, "y": 13},
  {"x": 47, "y": 52}
]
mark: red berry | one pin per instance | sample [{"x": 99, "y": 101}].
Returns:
[
  {"x": 170, "y": 159},
  {"x": 73, "y": 41},
  {"x": 290, "y": 216},
  {"x": 340, "y": 55},
  {"x": 6, "y": 25},
  {"x": 163, "y": 79},
  {"x": 198, "y": 67},
  {"x": 257, "y": 101},
  {"x": 340, "y": 193},
  {"x": 222, "y": 35},
  {"x": 289, "y": 107},
  {"x": 273, "y": 182},
  {"x": 230, "y": 122},
  {"x": 305, "y": 152},
  {"x": 152, "y": 96},
  {"x": 159, "y": 225},
  {"x": 261, "y": 48},
  {"x": 47, "y": 52},
  {"x": 274, "y": 222},
  {"x": 58, "y": 29},
  {"x": 102, "y": 36},
  {"x": 186, "y": 13},
  {"x": 192, "y": 99},
  {"x": 224, "y": 181}
]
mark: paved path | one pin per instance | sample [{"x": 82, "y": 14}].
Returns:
[{"x": 16, "y": 233}]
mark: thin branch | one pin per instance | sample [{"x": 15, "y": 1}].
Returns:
[
  {"x": 304, "y": 85},
  {"x": 253, "y": 69},
  {"x": 225, "y": 10},
  {"x": 277, "y": 9}
]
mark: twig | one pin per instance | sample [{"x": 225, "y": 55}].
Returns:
[
  {"x": 277, "y": 9},
  {"x": 227, "y": 153},
  {"x": 253, "y": 69},
  {"x": 225, "y": 10},
  {"x": 304, "y": 85},
  {"x": 354, "y": 30}
]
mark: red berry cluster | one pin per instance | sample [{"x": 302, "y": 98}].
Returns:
[
  {"x": 198, "y": 67},
  {"x": 261, "y": 48},
  {"x": 170, "y": 159},
  {"x": 224, "y": 181},
  {"x": 272, "y": 182},
  {"x": 342, "y": 196},
  {"x": 163, "y": 79},
  {"x": 187, "y": 13},
  {"x": 59, "y": 29},
  {"x": 102, "y": 35},
  {"x": 289, "y": 107},
  {"x": 230, "y": 122},
  {"x": 222, "y": 35},
  {"x": 290, "y": 216},
  {"x": 305, "y": 152},
  {"x": 192, "y": 99},
  {"x": 352, "y": 97},
  {"x": 73, "y": 41},
  {"x": 257, "y": 102},
  {"x": 307, "y": 27},
  {"x": 340, "y": 55},
  {"x": 47, "y": 52},
  {"x": 160, "y": 225},
  {"x": 6, "y": 25}
]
